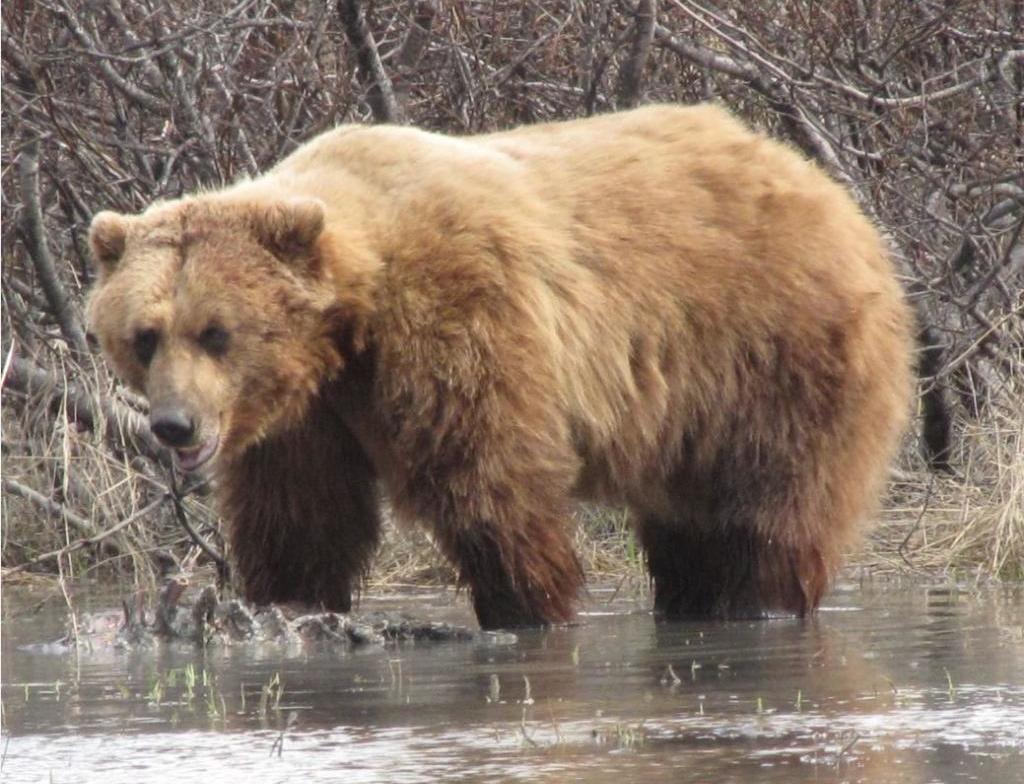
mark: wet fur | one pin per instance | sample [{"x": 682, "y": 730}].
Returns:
[
  {"x": 657, "y": 309},
  {"x": 307, "y": 535}
]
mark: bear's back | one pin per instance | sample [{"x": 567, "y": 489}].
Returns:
[{"x": 675, "y": 183}]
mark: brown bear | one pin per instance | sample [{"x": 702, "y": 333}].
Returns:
[{"x": 659, "y": 309}]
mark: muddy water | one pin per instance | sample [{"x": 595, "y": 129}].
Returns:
[{"x": 886, "y": 685}]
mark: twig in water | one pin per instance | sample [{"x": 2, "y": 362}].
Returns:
[
  {"x": 847, "y": 747},
  {"x": 278, "y": 744},
  {"x": 522, "y": 729}
]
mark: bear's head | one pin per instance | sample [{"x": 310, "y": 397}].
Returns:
[{"x": 225, "y": 314}]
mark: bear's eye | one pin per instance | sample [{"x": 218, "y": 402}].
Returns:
[
  {"x": 214, "y": 340},
  {"x": 145, "y": 345}
]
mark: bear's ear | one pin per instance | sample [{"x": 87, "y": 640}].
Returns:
[
  {"x": 289, "y": 229},
  {"x": 107, "y": 235}
]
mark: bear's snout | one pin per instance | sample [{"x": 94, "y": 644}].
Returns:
[
  {"x": 177, "y": 427},
  {"x": 172, "y": 425}
]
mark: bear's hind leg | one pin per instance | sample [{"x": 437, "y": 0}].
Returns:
[{"x": 700, "y": 571}]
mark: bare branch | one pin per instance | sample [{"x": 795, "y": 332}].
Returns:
[
  {"x": 123, "y": 425},
  {"x": 379, "y": 91},
  {"x": 177, "y": 497},
  {"x": 88, "y": 541},
  {"x": 417, "y": 36},
  {"x": 631, "y": 73},
  {"x": 35, "y": 242},
  {"x": 132, "y": 91},
  {"x": 802, "y": 130},
  {"x": 986, "y": 73},
  {"x": 79, "y": 523}
]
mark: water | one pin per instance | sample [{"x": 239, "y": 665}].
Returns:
[{"x": 886, "y": 685}]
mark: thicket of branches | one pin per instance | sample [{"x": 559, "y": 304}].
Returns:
[{"x": 915, "y": 104}]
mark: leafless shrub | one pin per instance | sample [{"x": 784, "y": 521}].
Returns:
[{"x": 916, "y": 106}]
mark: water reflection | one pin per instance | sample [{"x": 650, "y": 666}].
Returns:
[{"x": 884, "y": 685}]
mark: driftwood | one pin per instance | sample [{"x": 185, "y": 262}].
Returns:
[{"x": 196, "y": 615}]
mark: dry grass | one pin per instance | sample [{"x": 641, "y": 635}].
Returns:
[{"x": 971, "y": 521}]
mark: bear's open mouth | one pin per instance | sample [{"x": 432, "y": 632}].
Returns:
[{"x": 191, "y": 458}]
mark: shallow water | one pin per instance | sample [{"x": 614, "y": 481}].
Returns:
[{"x": 886, "y": 685}]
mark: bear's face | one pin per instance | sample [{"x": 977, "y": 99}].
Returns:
[{"x": 219, "y": 313}]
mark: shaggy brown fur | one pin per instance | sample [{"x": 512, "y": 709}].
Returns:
[{"x": 658, "y": 309}]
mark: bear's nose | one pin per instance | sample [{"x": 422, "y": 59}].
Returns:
[{"x": 172, "y": 426}]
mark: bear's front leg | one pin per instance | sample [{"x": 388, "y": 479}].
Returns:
[
  {"x": 501, "y": 519},
  {"x": 499, "y": 502},
  {"x": 525, "y": 574},
  {"x": 303, "y": 515},
  {"x": 467, "y": 389}
]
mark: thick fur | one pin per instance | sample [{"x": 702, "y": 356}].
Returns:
[{"x": 658, "y": 309}]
